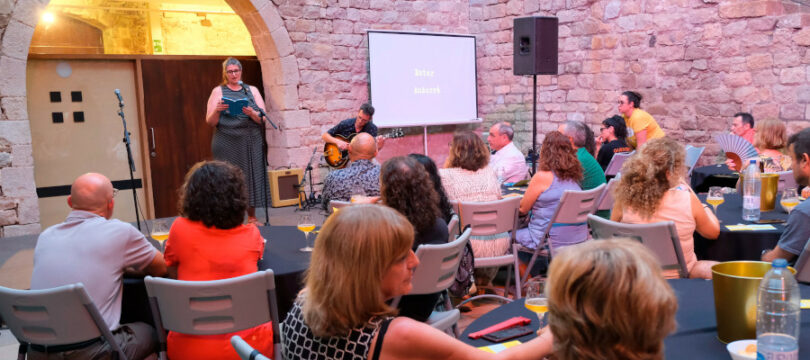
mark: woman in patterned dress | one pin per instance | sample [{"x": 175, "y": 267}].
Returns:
[{"x": 239, "y": 139}]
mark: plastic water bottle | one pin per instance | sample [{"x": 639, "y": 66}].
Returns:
[
  {"x": 778, "y": 314},
  {"x": 752, "y": 186}
]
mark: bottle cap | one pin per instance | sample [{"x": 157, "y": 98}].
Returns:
[
  {"x": 752, "y": 161},
  {"x": 779, "y": 263}
]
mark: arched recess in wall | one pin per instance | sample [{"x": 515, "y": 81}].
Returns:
[{"x": 271, "y": 41}]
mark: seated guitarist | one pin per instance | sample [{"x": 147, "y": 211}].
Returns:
[{"x": 349, "y": 127}]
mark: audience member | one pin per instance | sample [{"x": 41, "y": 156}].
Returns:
[
  {"x": 407, "y": 188},
  {"x": 641, "y": 125},
  {"x": 433, "y": 171},
  {"x": 611, "y": 140},
  {"x": 743, "y": 126},
  {"x": 362, "y": 258},
  {"x": 466, "y": 175},
  {"x": 770, "y": 141},
  {"x": 608, "y": 300},
  {"x": 92, "y": 248},
  {"x": 507, "y": 161},
  {"x": 797, "y": 231},
  {"x": 209, "y": 242},
  {"x": 558, "y": 170},
  {"x": 361, "y": 173},
  {"x": 652, "y": 189},
  {"x": 592, "y": 173}
]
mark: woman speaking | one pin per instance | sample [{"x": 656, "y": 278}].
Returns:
[{"x": 239, "y": 135}]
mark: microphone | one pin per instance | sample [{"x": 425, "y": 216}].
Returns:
[
  {"x": 244, "y": 89},
  {"x": 118, "y": 93}
]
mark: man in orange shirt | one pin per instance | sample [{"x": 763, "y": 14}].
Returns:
[{"x": 743, "y": 126}]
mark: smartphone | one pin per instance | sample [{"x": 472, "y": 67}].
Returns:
[
  {"x": 510, "y": 333},
  {"x": 770, "y": 221}
]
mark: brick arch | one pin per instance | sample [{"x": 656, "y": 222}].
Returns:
[{"x": 271, "y": 42}]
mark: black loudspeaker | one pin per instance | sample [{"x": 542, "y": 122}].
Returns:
[{"x": 535, "y": 40}]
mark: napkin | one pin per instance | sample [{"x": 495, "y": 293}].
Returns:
[
  {"x": 500, "y": 347},
  {"x": 750, "y": 227}
]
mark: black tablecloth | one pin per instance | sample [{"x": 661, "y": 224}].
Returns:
[
  {"x": 739, "y": 245},
  {"x": 694, "y": 338},
  {"x": 713, "y": 175},
  {"x": 281, "y": 253}
]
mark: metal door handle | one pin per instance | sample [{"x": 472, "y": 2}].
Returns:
[{"x": 153, "y": 153}]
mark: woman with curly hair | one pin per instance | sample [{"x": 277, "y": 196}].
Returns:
[
  {"x": 209, "y": 242},
  {"x": 652, "y": 189},
  {"x": 407, "y": 188},
  {"x": 608, "y": 300},
  {"x": 433, "y": 171},
  {"x": 558, "y": 170},
  {"x": 466, "y": 175}
]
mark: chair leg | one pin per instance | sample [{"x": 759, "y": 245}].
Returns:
[
  {"x": 22, "y": 350},
  {"x": 518, "y": 288},
  {"x": 508, "y": 280}
]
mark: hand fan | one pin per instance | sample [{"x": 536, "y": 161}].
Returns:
[{"x": 736, "y": 148}]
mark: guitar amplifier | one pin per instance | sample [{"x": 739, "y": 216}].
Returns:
[{"x": 283, "y": 186}]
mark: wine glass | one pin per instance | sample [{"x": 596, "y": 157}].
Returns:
[
  {"x": 160, "y": 232},
  {"x": 306, "y": 225},
  {"x": 358, "y": 193},
  {"x": 536, "y": 300},
  {"x": 715, "y": 197},
  {"x": 789, "y": 199}
]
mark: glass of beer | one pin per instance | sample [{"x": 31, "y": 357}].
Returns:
[
  {"x": 160, "y": 232},
  {"x": 715, "y": 197},
  {"x": 306, "y": 225},
  {"x": 789, "y": 199},
  {"x": 536, "y": 300}
]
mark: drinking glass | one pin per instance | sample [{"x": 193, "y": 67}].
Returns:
[
  {"x": 789, "y": 199},
  {"x": 160, "y": 232},
  {"x": 358, "y": 193},
  {"x": 306, "y": 225},
  {"x": 715, "y": 197},
  {"x": 536, "y": 300}
]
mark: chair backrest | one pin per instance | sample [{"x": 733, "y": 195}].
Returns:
[
  {"x": 438, "y": 264},
  {"x": 660, "y": 237},
  {"x": 245, "y": 351},
  {"x": 490, "y": 217},
  {"x": 452, "y": 227},
  {"x": 214, "y": 307},
  {"x": 606, "y": 201},
  {"x": 337, "y": 204},
  {"x": 692, "y": 156},
  {"x": 57, "y": 316},
  {"x": 802, "y": 265},
  {"x": 786, "y": 180},
  {"x": 616, "y": 162},
  {"x": 575, "y": 206}
]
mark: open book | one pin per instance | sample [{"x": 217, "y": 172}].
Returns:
[{"x": 235, "y": 105}]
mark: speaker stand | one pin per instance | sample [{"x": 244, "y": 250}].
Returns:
[{"x": 533, "y": 156}]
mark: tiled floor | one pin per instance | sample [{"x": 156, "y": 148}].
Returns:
[{"x": 278, "y": 216}]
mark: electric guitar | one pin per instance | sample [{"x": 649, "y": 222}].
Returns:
[{"x": 338, "y": 159}]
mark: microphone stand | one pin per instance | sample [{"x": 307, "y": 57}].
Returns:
[
  {"x": 262, "y": 115},
  {"x": 129, "y": 157},
  {"x": 310, "y": 201}
]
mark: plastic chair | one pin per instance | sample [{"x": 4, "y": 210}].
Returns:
[
  {"x": 214, "y": 307},
  {"x": 802, "y": 265},
  {"x": 337, "y": 205},
  {"x": 438, "y": 264},
  {"x": 616, "y": 162},
  {"x": 606, "y": 201},
  {"x": 452, "y": 227},
  {"x": 574, "y": 208},
  {"x": 245, "y": 351},
  {"x": 660, "y": 237},
  {"x": 491, "y": 218},
  {"x": 692, "y": 156},
  {"x": 54, "y": 317},
  {"x": 786, "y": 180}
]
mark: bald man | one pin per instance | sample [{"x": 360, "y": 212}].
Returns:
[
  {"x": 91, "y": 248},
  {"x": 362, "y": 175}
]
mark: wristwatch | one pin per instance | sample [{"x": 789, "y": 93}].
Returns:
[{"x": 765, "y": 251}]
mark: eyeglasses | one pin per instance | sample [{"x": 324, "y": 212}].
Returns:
[
  {"x": 115, "y": 192},
  {"x": 231, "y": 72},
  {"x": 604, "y": 128}
]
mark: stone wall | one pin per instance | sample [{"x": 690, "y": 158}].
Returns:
[{"x": 697, "y": 62}]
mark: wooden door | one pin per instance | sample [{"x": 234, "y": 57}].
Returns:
[{"x": 175, "y": 96}]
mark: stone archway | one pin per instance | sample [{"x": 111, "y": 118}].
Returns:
[{"x": 19, "y": 212}]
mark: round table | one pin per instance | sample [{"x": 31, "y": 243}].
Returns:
[
  {"x": 281, "y": 254},
  {"x": 739, "y": 245},
  {"x": 694, "y": 338},
  {"x": 713, "y": 175}
]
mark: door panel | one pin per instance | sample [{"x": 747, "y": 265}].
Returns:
[{"x": 175, "y": 96}]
